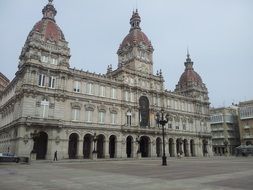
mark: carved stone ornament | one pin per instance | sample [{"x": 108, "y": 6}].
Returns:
[
  {"x": 57, "y": 140},
  {"x": 25, "y": 139}
]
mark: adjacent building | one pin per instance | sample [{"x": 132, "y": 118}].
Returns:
[
  {"x": 50, "y": 106},
  {"x": 225, "y": 130},
  {"x": 246, "y": 122},
  {"x": 4, "y": 81}
]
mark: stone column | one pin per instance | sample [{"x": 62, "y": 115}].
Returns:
[
  {"x": 50, "y": 149},
  {"x": 106, "y": 149},
  {"x": 174, "y": 148},
  {"x": 153, "y": 149},
  {"x": 118, "y": 149},
  {"x": 80, "y": 149},
  {"x": 188, "y": 149},
  {"x": 122, "y": 153},
  {"x": 65, "y": 145},
  {"x": 135, "y": 149},
  {"x": 167, "y": 149}
]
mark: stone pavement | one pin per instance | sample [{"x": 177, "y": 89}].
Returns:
[{"x": 219, "y": 173}]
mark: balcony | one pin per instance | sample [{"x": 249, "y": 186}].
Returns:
[
  {"x": 217, "y": 129},
  {"x": 247, "y": 137},
  {"x": 247, "y": 127}
]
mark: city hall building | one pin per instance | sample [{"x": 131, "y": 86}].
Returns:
[{"x": 50, "y": 106}]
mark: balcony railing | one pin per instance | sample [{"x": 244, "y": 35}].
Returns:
[{"x": 248, "y": 136}]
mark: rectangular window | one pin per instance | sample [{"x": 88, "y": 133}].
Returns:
[
  {"x": 89, "y": 116},
  {"x": 129, "y": 118},
  {"x": 169, "y": 125},
  {"x": 177, "y": 127},
  {"x": 75, "y": 114},
  {"x": 184, "y": 127},
  {"x": 44, "y": 59},
  {"x": 102, "y": 91},
  {"x": 132, "y": 96},
  {"x": 158, "y": 101},
  {"x": 45, "y": 106},
  {"x": 176, "y": 105},
  {"x": 54, "y": 61},
  {"x": 89, "y": 88},
  {"x": 168, "y": 103},
  {"x": 113, "y": 93},
  {"x": 126, "y": 96},
  {"x": 76, "y": 86},
  {"x": 42, "y": 78},
  {"x": 113, "y": 118},
  {"x": 101, "y": 118},
  {"x": 154, "y": 101},
  {"x": 51, "y": 82}
]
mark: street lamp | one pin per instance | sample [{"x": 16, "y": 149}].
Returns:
[
  {"x": 226, "y": 146},
  {"x": 160, "y": 119}
]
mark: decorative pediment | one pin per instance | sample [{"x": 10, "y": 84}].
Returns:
[
  {"x": 190, "y": 120},
  {"x": 113, "y": 110},
  {"x": 89, "y": 107},
  {"x": 102, "y": 108},
  {"x": 177, "y": 118},
  {"x": 76, "y": 105}
]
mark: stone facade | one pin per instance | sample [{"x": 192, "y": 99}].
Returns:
[
  {"x": 49, "y": 106},
  {"x": 225, "y": 130}
]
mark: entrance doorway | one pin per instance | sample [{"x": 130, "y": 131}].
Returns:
[
  {"x": 87, "y": 140},
  {"x": 129, "y": 143},
  {"x": 158, "y": 147},
  {"x": 144, "y": 146},
  {"x": 100, "y": 146},
  {"x": 73, "y": 139},
  {"x": 192, "y": 147},
  {"x": 171, "y": 148},
  {"x": 112, "y": 145},
  {"x": 40, "y": 145}
]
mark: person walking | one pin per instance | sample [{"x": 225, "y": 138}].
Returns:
[{"x": 55, "y": 155}]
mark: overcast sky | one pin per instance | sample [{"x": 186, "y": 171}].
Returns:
[{"x": 219, "y": 34}]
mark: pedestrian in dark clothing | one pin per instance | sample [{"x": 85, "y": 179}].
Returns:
[{"x": 55, "y": 155}]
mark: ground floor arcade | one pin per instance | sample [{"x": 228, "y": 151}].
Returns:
[{"x": 76, "y": 143}]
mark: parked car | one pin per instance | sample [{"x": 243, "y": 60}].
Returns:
[
  {"x": 8, "y": 157},
  {"x": 244, "y": 150}
]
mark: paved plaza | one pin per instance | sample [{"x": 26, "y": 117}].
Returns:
[{"x": 187, "y": 173}]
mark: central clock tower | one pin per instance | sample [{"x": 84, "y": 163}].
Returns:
[{"x": 136, "y": 51}]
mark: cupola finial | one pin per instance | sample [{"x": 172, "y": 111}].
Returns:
[
  {"x": 135, "y": 20},
  {"x": 49, "y": 11},
  {"x": 188, "y": 64}
]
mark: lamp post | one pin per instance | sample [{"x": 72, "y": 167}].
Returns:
[
  {"x": 226, "y": 147},
  {"x": 161, "y": 119}
]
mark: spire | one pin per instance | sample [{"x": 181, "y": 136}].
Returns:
[
  {"x": 49, "y": 11},
  {"x": 188, "y": 64},
  {"x": 135, "y": 20}
]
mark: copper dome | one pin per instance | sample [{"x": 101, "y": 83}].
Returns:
[
  {"x": 47, "y": 25},
  {"x": 189, "y": 76},
  {"x": 136, "y": 36},
  {"x": 49, "y": 29}
]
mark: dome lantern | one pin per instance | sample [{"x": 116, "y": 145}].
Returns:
[{"x": 49, "y": 11}]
